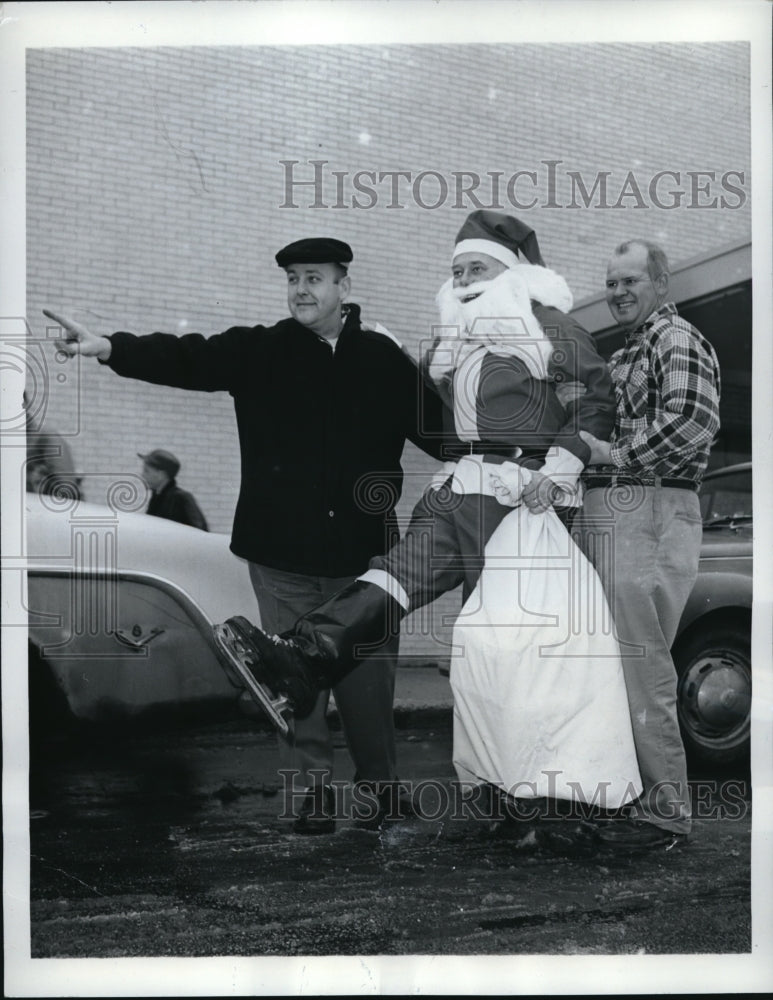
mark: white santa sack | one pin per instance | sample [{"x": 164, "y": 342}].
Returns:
[{"x": 540, "y": 705}]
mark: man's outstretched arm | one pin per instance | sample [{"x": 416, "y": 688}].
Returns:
[{"x": 191, "y": 361}]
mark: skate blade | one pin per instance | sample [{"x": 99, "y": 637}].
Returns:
[{"x": 239, "y": 674}]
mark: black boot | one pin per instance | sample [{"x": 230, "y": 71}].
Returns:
[
  {"x": 317, "y": 812},
  {"x": 324, "y": 645},
  {"x": 381, "y": 802}
]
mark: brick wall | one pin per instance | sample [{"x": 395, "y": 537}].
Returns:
[{"x": 154, "y": 188}]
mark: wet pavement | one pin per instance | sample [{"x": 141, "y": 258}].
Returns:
[{"x": 172, "y": 843}]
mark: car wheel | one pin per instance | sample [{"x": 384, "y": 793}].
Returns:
[{"x": 714, "y": 693}]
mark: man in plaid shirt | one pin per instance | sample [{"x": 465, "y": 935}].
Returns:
[{"x": 641, "y": 524}]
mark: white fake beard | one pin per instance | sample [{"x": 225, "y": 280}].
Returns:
[{"x": 499, "y": 317}]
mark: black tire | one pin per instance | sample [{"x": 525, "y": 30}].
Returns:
[
  {"x": 714, "y": 692},
  {"x": 50, "y": 718},
  {"x": 51, "y": 730}
]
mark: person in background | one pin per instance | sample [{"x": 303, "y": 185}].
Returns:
[
  {"x": 159, "y": 470},
  {"x": 50, "y": 467},
  {"x": 37, "y": 473}
]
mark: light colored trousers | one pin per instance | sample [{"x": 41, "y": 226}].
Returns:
[
  {"x": 364, "y": 697},
  {"x": 645, "y": 544}
]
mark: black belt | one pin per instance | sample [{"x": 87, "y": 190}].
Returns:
[
  {"x": 595, "y": 482},
  {"x": 510, "y": 451}
]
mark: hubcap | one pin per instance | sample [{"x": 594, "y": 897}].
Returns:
[{"x": 715, "y": 698}]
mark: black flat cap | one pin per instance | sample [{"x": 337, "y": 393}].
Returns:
[
  {"x": 315, "y": 251},
  {"x": 160, "y": 459}
]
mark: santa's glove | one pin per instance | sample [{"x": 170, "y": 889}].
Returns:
[
  {"x": 563, "y": 469},
  {"x": 541, "y": 493}
]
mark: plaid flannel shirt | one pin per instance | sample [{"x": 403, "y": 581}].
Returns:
[{"x": 667, "y": 387}]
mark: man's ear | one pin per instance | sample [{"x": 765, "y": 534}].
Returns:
[
  {"x": 345, "y": 286},
  {"x": 661, "y": 285}
]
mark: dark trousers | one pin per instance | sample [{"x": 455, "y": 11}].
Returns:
[
  {"x": 364, "y": 697},
  {"x": 444, "y": 545}
]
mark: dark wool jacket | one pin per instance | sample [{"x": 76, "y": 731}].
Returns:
[
  {"x": 321, "y": 433},
  {"x": 176, "y": 504}
]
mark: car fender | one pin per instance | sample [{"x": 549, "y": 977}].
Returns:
[
  {"x": 120, "y": 646},
  {"x": 121, "y": 608},
  {"x": 716, "y": 591}
]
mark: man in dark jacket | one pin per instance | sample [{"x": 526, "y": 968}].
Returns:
[
  {"x": 323, "y": 408},
  {"x": 159, "y": 469}
]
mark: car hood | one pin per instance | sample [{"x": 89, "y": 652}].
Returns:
[{"x": 199, "y": 563}]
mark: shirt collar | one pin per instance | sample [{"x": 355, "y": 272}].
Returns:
[
  {"x": 665, "y": 311},
  {"x": 351, "y": 316}
]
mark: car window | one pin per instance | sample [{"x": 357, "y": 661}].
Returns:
[{"x": 725, "y": 496}]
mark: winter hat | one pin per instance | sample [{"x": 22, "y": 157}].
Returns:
[
  {"x": 163, "y": 460},
  {"x": 317, "y": 250},
  {"x": 500, "y": 236}
]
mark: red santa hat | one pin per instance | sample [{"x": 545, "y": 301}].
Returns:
[{"x": 501, "y": 236}]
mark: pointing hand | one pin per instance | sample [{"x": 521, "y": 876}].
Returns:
[{"x": 78, "y": 339}]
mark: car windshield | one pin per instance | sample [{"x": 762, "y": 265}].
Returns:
[{"x": 727, "y": 497}]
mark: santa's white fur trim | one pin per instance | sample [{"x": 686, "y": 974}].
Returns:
[
  {"x": 563, "y": 468},
  {"x": 545, "y": 286},
  {"x": 389, "y": 584},
  {"x": 490, "y": 248}
]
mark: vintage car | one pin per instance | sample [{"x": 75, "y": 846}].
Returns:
[
  {"x": 712, "y": 651},
  {"x": 120, "y": 608}
]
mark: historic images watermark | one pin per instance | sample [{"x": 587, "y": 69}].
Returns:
[
  {"x": 433, "y": 799},
  {"x": 548, "y": 184}
]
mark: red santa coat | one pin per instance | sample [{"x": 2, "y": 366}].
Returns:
[{"x": 540, "y": 705}]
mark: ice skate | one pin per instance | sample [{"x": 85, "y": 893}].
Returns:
[
  {"x": 246, "y": 668},
  {"x": 285, "y": 673}
]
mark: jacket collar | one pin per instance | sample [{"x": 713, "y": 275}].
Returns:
[{"x": 351, "y": 315}]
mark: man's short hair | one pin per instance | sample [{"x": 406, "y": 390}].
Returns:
[
  {"x": 339, "y": 270},
  {"x": 657, "y": 262}
]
